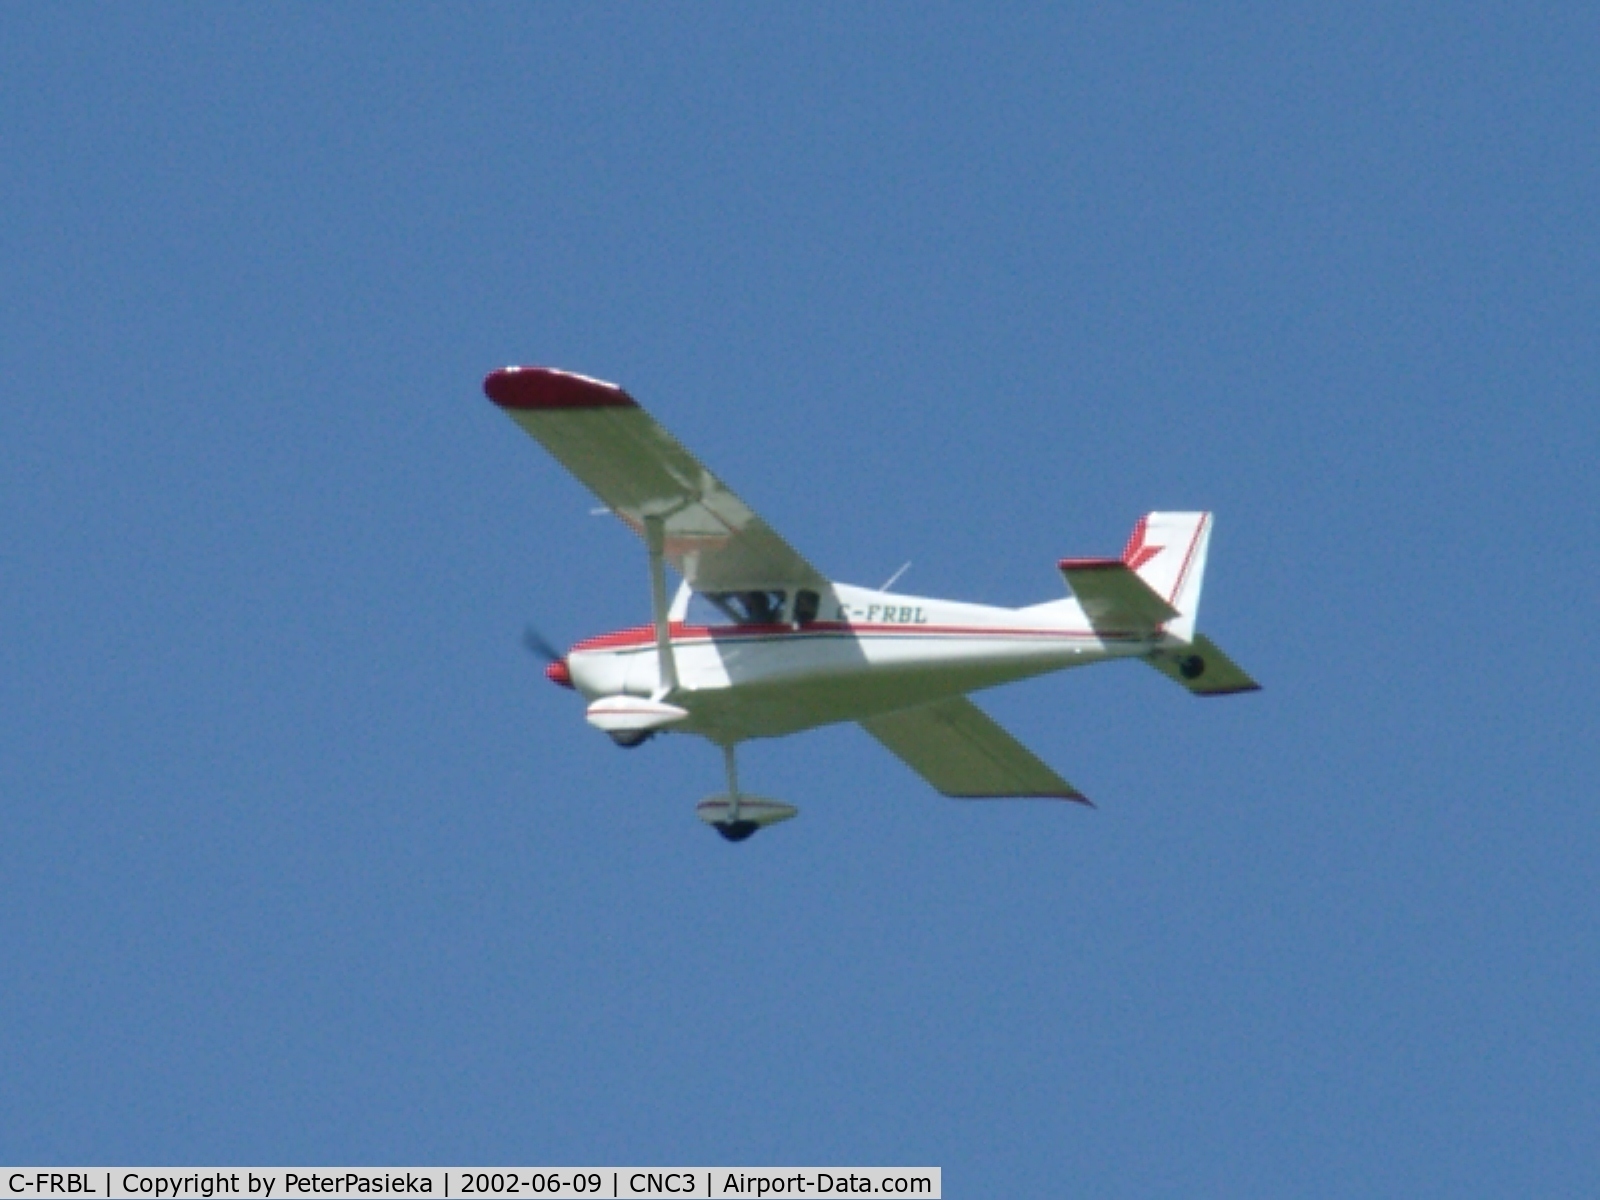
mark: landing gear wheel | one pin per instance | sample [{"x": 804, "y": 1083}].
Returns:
[
  {"x": 1192, "y": 667},
  {"x": 736, "y": 831},
  {"x": 632, "y": 738}
]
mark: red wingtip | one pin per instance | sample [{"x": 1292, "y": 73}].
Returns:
[
  {"x": 545, "y": 387},
  {"x": 558, "y": 673}
]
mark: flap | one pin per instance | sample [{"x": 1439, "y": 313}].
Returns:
[{"x": 962, "y": 752}]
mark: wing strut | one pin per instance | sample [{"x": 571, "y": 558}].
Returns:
[{"x": 655, "y": 538}]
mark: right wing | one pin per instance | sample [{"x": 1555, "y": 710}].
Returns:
[
  {"x": 639, "y": 470},
  {"x": 962, "y": 752}
]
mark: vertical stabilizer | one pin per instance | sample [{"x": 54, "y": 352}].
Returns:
[{"x": 1168, "y": 551}]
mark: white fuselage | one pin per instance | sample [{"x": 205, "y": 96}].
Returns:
[{"x": 866, "y": 652}]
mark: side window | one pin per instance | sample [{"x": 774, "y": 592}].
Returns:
[
  {"x": 703, "y": 610},
  {"x": 746, "y": 608},
  {"x": 757, "y": 608},
  {"x": 806, "y": 603}
]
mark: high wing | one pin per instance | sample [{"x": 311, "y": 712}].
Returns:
[
  {"x": 639, "y": 470},
  {"x": 963, "y": 752}
]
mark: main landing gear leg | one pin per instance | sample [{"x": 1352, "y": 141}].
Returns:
[
  {"x": 736, "y": 816},
  {"x": 734, "y": 828}
]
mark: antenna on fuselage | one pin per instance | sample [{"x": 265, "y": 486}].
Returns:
[
  {"x": 890, "y": 582},
  {"x": 655, "y": 539}
]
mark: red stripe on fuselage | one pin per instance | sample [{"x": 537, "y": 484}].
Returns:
[{"x": 645, "y": 635}]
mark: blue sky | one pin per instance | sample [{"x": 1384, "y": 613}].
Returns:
[{"x": 304, "y": 862}]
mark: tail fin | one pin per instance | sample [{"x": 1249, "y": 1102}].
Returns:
[
  {"x": 1168, "y": 552},
  {"x": 1156, "y": 585},
  {"x": 1156, "y": 582}
]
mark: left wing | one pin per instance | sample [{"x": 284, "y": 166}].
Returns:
[
  {"x": 962, "y": 752},
  {"x": 639, "y": 470}
]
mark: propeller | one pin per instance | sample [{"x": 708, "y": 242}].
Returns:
[
  {"x": 539, "y": 646},
  {"x": 555, "y": 662}
]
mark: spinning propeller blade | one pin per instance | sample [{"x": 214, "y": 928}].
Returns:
[
  {"x": 555, "y": 662},
  {"x": 539, "y": 646}
]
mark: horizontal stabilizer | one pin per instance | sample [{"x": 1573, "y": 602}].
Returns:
[
  {"x": 1203, "y": 669},
  {"x": 962, "y": 752},
  {"x": 1114, "y": 597}
]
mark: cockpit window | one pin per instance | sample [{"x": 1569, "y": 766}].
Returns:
[
  {"x": 806, "y": 603},
  {"x": 763, "y": 607}
]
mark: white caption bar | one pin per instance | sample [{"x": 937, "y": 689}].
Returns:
[{"x": 451, "y": 1183}]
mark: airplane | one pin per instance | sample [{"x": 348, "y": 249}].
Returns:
[{"x": 780, "y": 648}]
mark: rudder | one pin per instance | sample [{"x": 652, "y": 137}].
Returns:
[{"x": 1167, "y": 550}]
